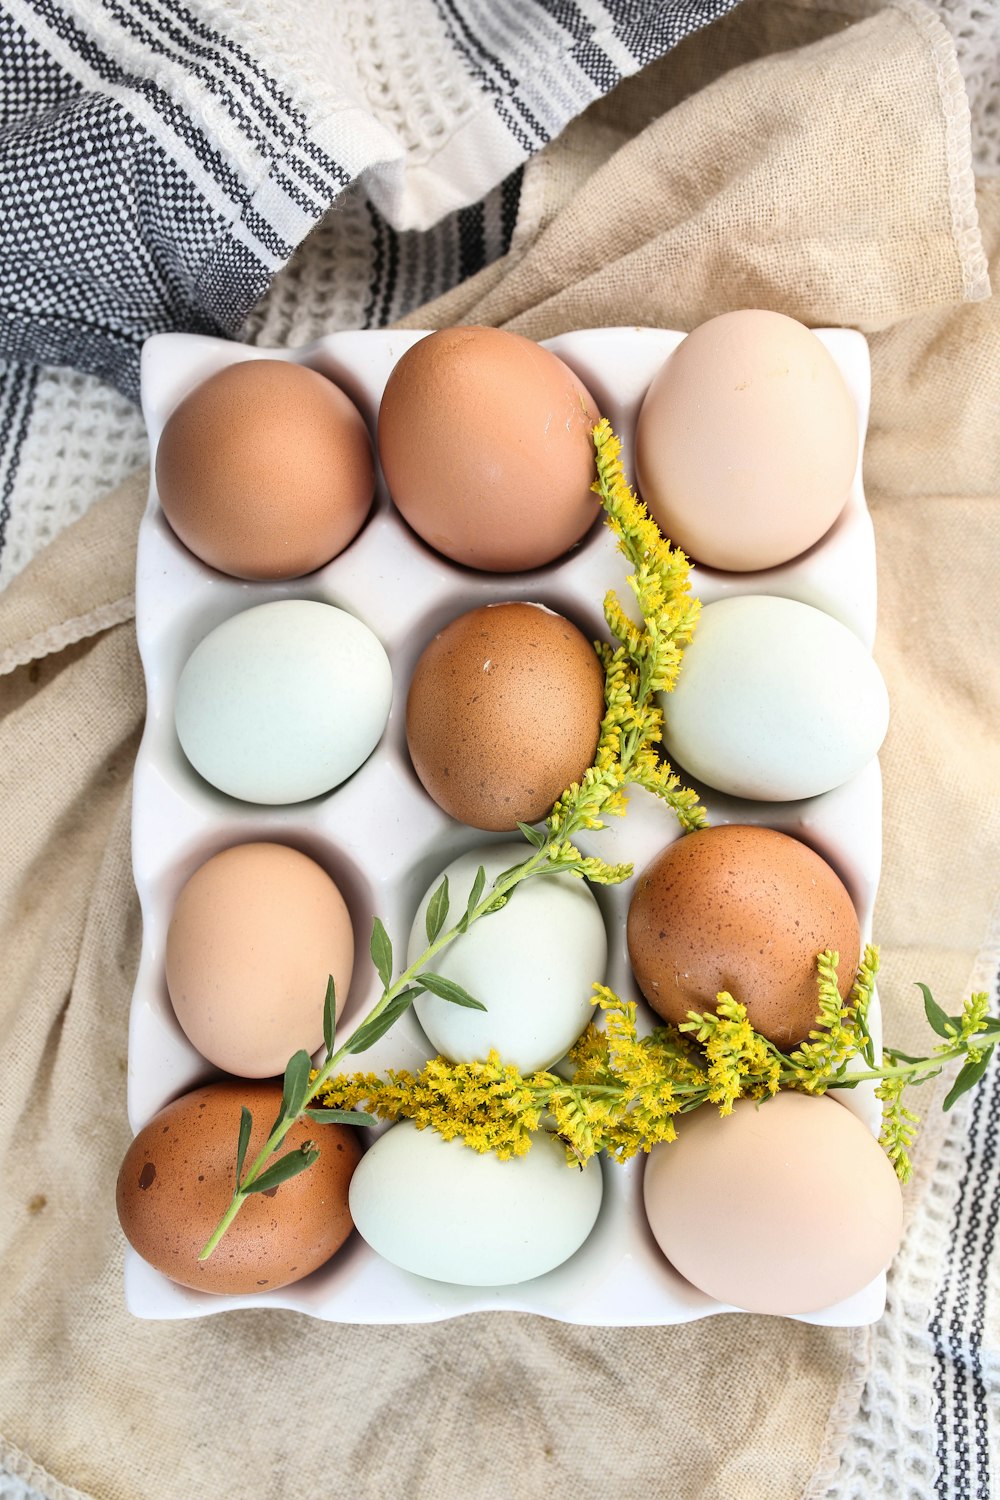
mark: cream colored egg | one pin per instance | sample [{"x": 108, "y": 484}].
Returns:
[
  {"x": 747, "y": 442},
  {"x": 786, "y": 1207}
]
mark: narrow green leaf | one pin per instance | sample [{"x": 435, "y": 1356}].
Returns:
[
  {"x": 369, "y": 1032},
  {"x": 935, "y": 1015},
  {"x": 246, "y": 1125},
  {"x": 447, "y": 989},
  {"x": 478, "y": 886},
  {"x": 532, "y": 834},
  {"x": 969, "y": 1075},
  {"x": 381, "y": 951},
  {"x": 289, "y": 1165},
  {"x": 891, "y": 1055},
  {"x": 296, "y": 1084},
  {"x": 340, "y": 1116},
  {"x": 330, "y": 1016},
  {"x": 437, "y": 911}
]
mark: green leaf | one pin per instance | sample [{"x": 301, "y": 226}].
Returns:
[
  {"x": 478, "y": 886},
  {"x": 939, "y": 1022},
  {"x": 289, "y": 1165},
  {"x": 341, "y": 1117},
  {"x": 968, "y": 1077},
  {"x": 447, "y": 989},
  {"x": 531, "y": 834},
  {"x": 381, "y": 951},
  {"x": 330, "y": 1016},
  {"x": 369, "y": 1032},
  {"x": 246, "y": 1125},
  {"x": 437, "y": 911},
  {"x": 296, "y": 1084}
]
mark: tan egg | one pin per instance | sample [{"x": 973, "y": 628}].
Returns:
[
  {"x": 747, "y": 442},
  {"x": 254, "y": 935},
  {"x": 484, "y": 439},
  {"x": 784, "y": 1208},
  {"x": 742, "y": 909},
  {"x": 178, "y": 1177},
  {"x": 504, "y": 712},
  {"x": 265, "y": 470}
]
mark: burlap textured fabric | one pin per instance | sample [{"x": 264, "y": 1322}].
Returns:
[{"x": 754, "y": 190}]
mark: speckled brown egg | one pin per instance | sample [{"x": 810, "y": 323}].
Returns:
[
  {"x": 484, "y": 439},
  {"x": 254, "y": 936},
  {"x": 265, "y": 470},
  {"x": 746, "y": 910},
  {"x": 504, "y": 711},
  {"x": 177, "y": 1180}
]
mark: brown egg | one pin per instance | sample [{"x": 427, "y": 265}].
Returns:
[
  {"x": 484, "y": 439},
  {"x": 743, "y": 909},
  {"x": 747, "y": 441},
  {"x": 504, "y": 711},
  {"x": 254, "y": 935},
  {"x": 265, "y": 470},
  {"x": 178, "y": 1177},
  {"x": 783, "y": 1208}
]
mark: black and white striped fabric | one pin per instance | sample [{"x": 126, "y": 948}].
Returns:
[{"x": 160, "y": 160}]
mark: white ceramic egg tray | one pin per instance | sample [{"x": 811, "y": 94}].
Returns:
[{"x": 383, "y": 840}]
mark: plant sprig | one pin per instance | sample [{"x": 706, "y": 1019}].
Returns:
[
  {"x": 644, "y": 664},
  {"x": 626, "y": 1091}
]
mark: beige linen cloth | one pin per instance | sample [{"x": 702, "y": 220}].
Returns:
[{"x": 829, "y": 180}]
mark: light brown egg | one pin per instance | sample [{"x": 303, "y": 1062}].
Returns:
[
  {"x": 504, "y": 712},
  {"x": 484, "y": 439},
  {"x": 783, "y": 1208},
  {"x": 178, "y": 1176},
  {"x": 747, "y": 441},
  {"x": 265, "y": 470},
  {"x": 742, "y": 909},
  {"x": 254, "y": 935}
]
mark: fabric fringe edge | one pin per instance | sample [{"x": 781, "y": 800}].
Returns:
[
  {"x": 67, "y": 633},
  {"x": 958, "y": 138},
  {"x": 20, "y": 1466}
]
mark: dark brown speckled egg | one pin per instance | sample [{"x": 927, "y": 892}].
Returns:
[
  {"x": 177, "y": 1180},
  {"x": 504, "y": 712},
  {"x": 742, "y": 909}
]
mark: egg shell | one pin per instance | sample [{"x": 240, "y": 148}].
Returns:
[
  {"x": 177, "y": 1179},
  {"x": 747, "y": 441},
  {"x": 783, "y": 1208},
  {"x": 533, "y": 964},
  {"x": 254, "y": 935},
  {"x": 775, "y": 700},
  {"x": 283, "y": 701},
  {"x": 743, "y": 909},
  {"x": 504, "y": 712},
  {"x": 484, "y": 440},
  {"x": 265, "y": 470},
  {"x": 439, "y": 1209}
]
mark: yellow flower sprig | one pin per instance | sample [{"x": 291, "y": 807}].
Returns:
[
  {"x": 626, "y": 1091},
  {"x": 644, "y": 663}
]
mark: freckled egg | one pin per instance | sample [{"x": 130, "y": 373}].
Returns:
[
  {"x": 746, "y": 910},
  {"x": 504, "y": 712},
  {"x": 484, "y": 439},
  {"x": 784, "y": 1208},
  {"x": 775, "y": 700},
  {"x": 747, "y": 442},
  {"x": 254, "y": 935},
  {"x": 177, "y": 1180},
  {"x": 284, "y": 701},
  {"x": 533, "y": 964},
  {"x": 439, "y": 1209},
  {"x": 265, "y": 470}
]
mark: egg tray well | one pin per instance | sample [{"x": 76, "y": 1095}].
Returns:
[{"x": 383, "y": 840}]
